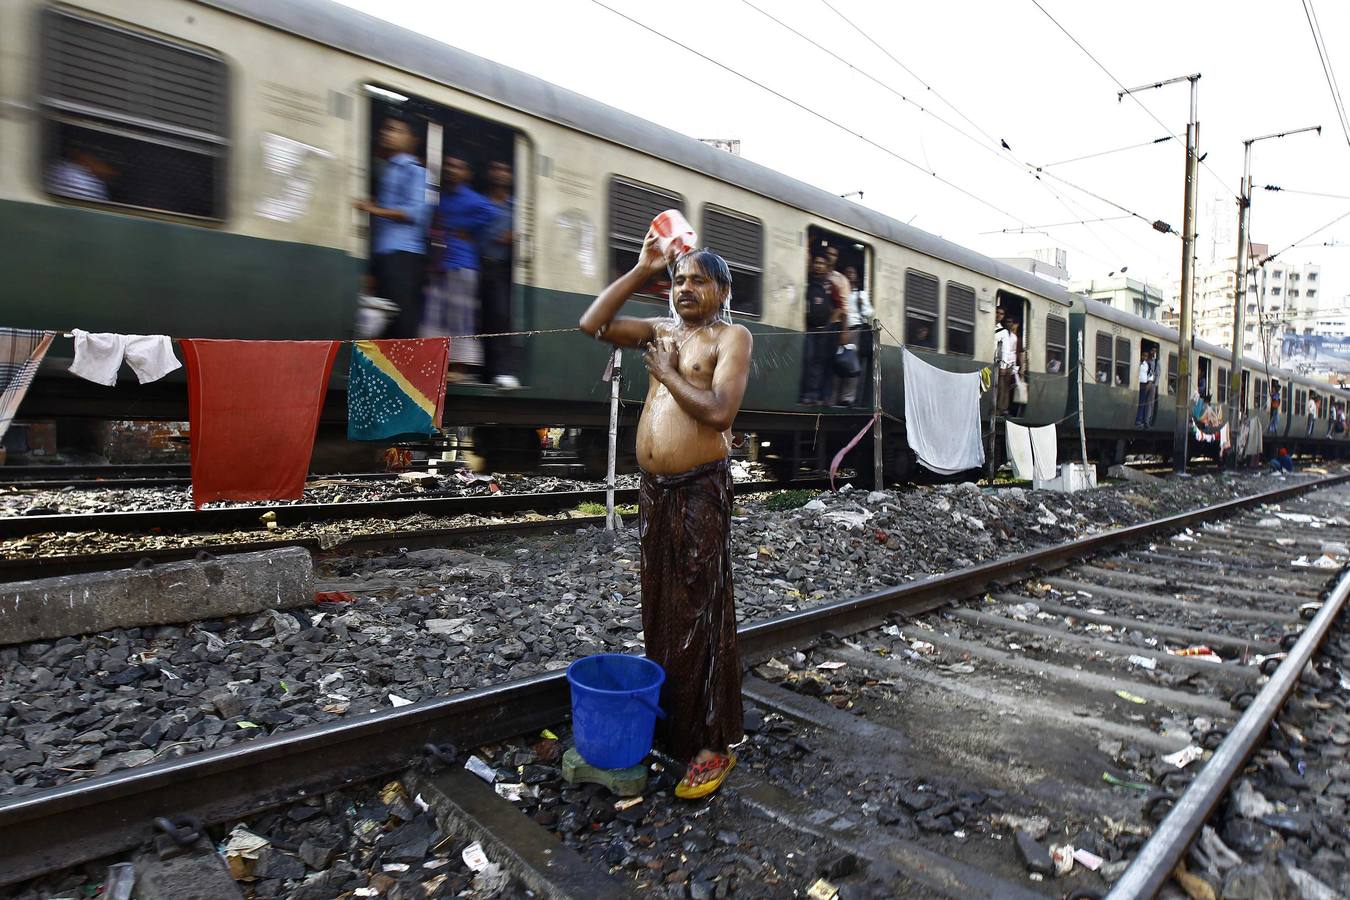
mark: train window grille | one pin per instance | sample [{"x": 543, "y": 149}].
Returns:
[
  {"x": 1221, "y": 389},
  {"x": 1056, "y": 344},
  {"x": 131, "y": 119},
  {"x": 1103, "y": 370},
  {"x": 921, "y": 309},
  {"x": 1173, "y": 363},
  {"x": 632, "y": 206},
  {"x": 960, "y": 319},
  {"x": 740, "y": 241},
  {"x": 1122, "y": 362}
]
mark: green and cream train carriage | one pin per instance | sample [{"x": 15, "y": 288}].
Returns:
[{"x": 234, "y": 136}]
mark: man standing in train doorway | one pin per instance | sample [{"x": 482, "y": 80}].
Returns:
[
  {"x": 399, "y": 215},
  {"x": 699, "y": 363}
]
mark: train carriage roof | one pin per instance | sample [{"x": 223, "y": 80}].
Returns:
[{"x": 346, "y": 29}]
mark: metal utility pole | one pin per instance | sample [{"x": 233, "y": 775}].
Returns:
[
  {"x": 1240, "y": 282},
  {"x": 1181, "y": 428}
]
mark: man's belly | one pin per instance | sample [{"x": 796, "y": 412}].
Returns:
[{"x": 670, "y": 441}]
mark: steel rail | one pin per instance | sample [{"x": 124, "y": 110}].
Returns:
[
  {"x": 85, "y": 820},
  {"x": 50, "y": 566},
  {"x": 1164, "y": 849},
  {"x": 291, "y": 514}
]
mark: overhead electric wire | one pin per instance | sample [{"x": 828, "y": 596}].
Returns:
[
  {"x": 1065, "y": 162},
  {"x": 1057, "y": 225},
  {"x": 1285, "y": 190},
  {"x": 1010, "y": 157},
  {"x": 1320, "y": 228},
  {"x": 1320, "y": 42},
  {"x": 871, "y": 40},
  {"x": 804, "y": 108},
  {"x": 1121, "y": 85}
]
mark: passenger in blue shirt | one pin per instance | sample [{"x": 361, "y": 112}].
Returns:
[
  {"x": 494, "y": 287},
  {"x": 398, "y": 224},
  {"x": 452, "y": 307}
]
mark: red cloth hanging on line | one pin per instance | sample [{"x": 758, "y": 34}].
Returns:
[{"x": 253, "y": 407}]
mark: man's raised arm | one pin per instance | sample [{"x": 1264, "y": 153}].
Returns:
[{"x": 600, "y": 320}]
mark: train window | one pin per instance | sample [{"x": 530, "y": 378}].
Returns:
[
  {"x": 632, "y": 206},
  {"x": 1173, "y": 362},
  {"x": 1122, "y": 362},
  {"x": 1103, "y": 370},
  {"x": 740, "y": 241},
  {"x": 1056, "y": 344},
  {"x": 131, "y": 119},
  {"x": 1300, "y": 402},
  {"x": 1221, "y": 389},
  {"x": 921, "y": 309},
  {"x": 960, "y": 319}
]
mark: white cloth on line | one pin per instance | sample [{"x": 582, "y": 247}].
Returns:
[
  {"x": 942, "y": 416},
  {"x": 1017, "y": 438},
  {"x": 98, "y": 356},
  {"x": 1034, "y": 452},
  {"x": 1045, "y": 452}
]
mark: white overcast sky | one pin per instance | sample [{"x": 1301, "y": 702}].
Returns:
[{"x": 1006, "y": 70}]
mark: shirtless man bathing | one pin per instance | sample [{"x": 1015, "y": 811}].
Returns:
[{"x": 698, "y": 364}]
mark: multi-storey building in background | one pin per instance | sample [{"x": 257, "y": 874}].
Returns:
[{"x": 1124, "y": 293}]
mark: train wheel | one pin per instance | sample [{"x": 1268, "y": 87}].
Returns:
[
  {"x": 593, "y": 452},
  {"x": 507, "y": 449}
]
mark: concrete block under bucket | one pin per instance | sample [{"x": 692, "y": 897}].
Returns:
[{"x": 228, "y": 585}]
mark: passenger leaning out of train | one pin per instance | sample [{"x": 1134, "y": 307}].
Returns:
[
  {"x": 698, "y": 363},
  {"x": 822, "y": 334},
  {"x": 1148, "y": 389},
  {"x": 855, "y": 391},
  {"x": 1274, "y": 406},
  {"x": 398, "y": 222},
  {"x": 1005, "y": 361}
]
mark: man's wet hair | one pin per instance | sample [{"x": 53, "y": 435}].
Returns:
[{"x": 712, "y": 265}]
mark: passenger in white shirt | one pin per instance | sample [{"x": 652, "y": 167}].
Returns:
[
  {"x": 1005, "y": 361},
  {"x": 858, "y": 314},
  {"x": 1148, "y": 389}
]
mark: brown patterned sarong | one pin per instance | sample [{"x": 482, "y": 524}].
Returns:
[{"x": 688, "y": 615}]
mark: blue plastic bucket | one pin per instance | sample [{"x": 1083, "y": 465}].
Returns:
[{"x": 615, "y": 702}]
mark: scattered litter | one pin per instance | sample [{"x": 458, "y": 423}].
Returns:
[
  {"x": 396, "y": 700},
  {"x": 119, "y": 882},
  {"x": 396, "y": 868},
  {"x": 1183, "y": 539},
  {"x": 922, "y": 647},
  {"x": 1286, "y": 542},
  {"x": 1322, "y": 562},
  {"x": 1268, "y": 523},
  {"x": 484, "y": 771},
  {"x": 421, "y": 804},
  {"x": 958, "y": 668},
  {"x": 1121, "y": 782},
  {"x": 474, "y": 857},
  {"x": 822, "y": 890},
  {"x": 1260, "y": 658},
  {"x": 628, "y": 803},
  {"x": 1251, "y": 803},
  {"x": 1036, "y": 826},
  {"x": 548, "y": 735},
  {"x": 1197, "y": 651},
  {"x": 244, "y": 723},
  {"x": 831, "y": 665},
  {"x": 1062, "y": 856},
  {"x": 333, "y": 597},
  {"x": 1297, "y": 518},
  {"x": 516, "y": 792},
  {"x": 1184, "y": 757},
  {"x": 1143, "y": 662},
  {"x": 1133, "y": 698},
  {"x": 241, "y": 849},
  {"x": 1087, "y": 859}
]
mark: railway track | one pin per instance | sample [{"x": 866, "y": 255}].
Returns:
[
  {"x": 23, "y": 568},
  {"x": 228, "y": 518},
  {"x": 891, "y": 729}
]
